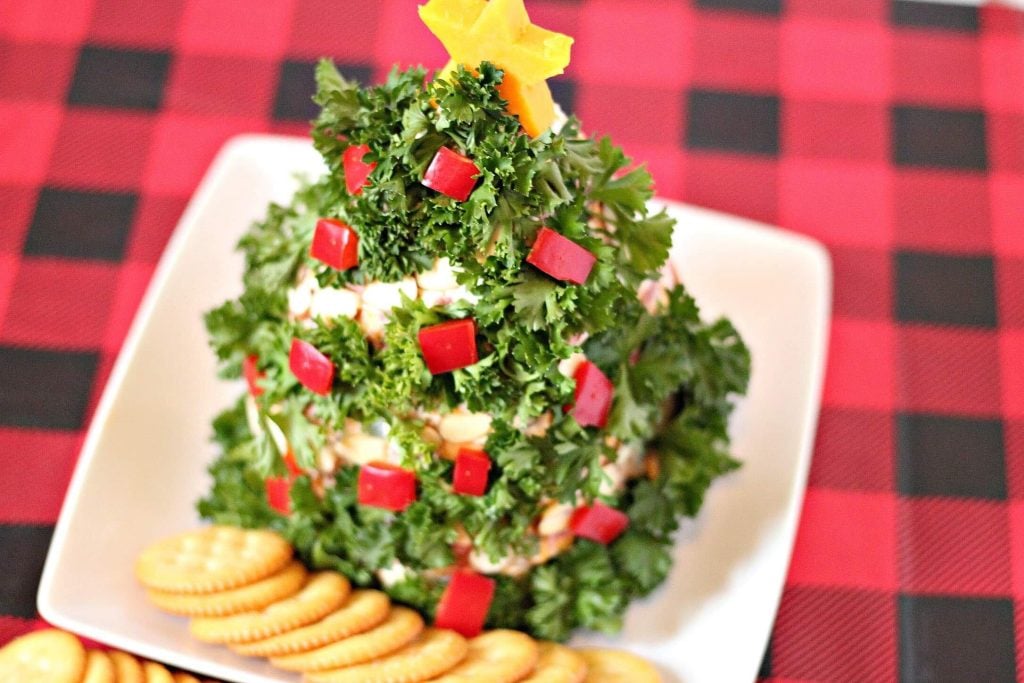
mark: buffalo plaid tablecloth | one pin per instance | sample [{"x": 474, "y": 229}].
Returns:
[{"x": 892, "y": 131}]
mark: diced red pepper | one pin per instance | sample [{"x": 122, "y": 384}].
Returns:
[
  {"x": 464, "y": 604},
  {"x": 335, "y": 244},
  {"x": 451, "y": 174},
  {"x": 252, "y": 374},
  {"x": 357, "y": 171},
  {"x": 449, "y": 346},
  {"x": 471, "y": 469},
  {"x": 291, "y": 463},
  {"x": 593, "y": 396},
  {"x": 314, "y": 370},
  {"x": 386, "y": 486},
  {"x": 599, "y": 522},
  {"x": 279, "y": 494},
  {"x": 560, "y": 257}
]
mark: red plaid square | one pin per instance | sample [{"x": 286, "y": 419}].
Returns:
[
  {"x": 1010, "y": 288},
  {"x": 948, "y": 370},
  {"x": 16, "y": 205},
  {"x": 836, "y": 130},
  {"x": 343, "y": 29},
  {"x": 155, "y": 220},
  {"x": 235, "y": 27},
  {"x": 556, "y": 15},
  {"x": 840, "y": 203},
  {"x": 101, "y": 149},
  {"x": 736, "y": 52},
  {"x": 403, "y": 39},
  {"x": 47, "y": 477},
  {"x": 236, "y": 86},
  {"x": 140, "y": 23},
  {"x": 641, "y": 44},
  {"x": 942, "y": 211},
  {"x": 21, "y": 65},
  {"x": 48, "y": 309},
  {"x": 936, "y": 68},
  {"x": 862, "y": 283},
  {"x": 29, "y": 131},
  {"x": 1011, "y": 352},
  {"x": 1006, "y": 142},
  {"x": 821, "y": 634},
  {"x": 1007, "y": 194},
  {"x": 853, "y": 450},
  {"x": 1002, "y": 73},
  {"x": 954, "y": 546},
  {"x": 861, "y": 365},
  {"x": 44, "y": 21},
  {"x": 836, "y": 60},
  {"x": 846, "y": 539},
  {"x": 132, "y": 280},
  {"x": 648, "y": 116},
  {"x": 183, "y": 147},
  {"x": 8, "y": 271},
  {"x": 737, "y": 184}
]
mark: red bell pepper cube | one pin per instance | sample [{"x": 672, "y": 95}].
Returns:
[
  {"x": 464, "y": 604},
  {"x": 279, "y": 494},
  {"x": 471, "y": 469},
  {"x": 451, "y": 174},
  {"x": 291, "y": 463},
  {"x": 252, "y": 374},
  {"x": 386, "y": 486},
  {"x": 560, "y": 257},
  {"x": 335, "y": 244},
  {"x": 357, "y": 171},
  {"x": 314, "y": 370},
  {"x": 449, "y": 346},
  {"x": 598, "y": 522},
  {"x": 593, "y": 396}
]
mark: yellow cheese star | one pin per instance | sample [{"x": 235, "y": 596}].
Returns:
[{"x": 500, "y": 32}]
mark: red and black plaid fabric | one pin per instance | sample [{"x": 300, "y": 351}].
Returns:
[{"x": 892, "y": 131}]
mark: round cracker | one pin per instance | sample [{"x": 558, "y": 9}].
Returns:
[
  {"x": 216, "y": 558},
  {"x": 557, "y": 664},
  {"x": 400, "y": 627},
  {"x": 156, "y": 673},
  {"x": 98, "y": 668},
  {"x": 617, "y": 666},
  {"x": 433, "y": 653},
  {"x": 363, "y": 610},
  {"x": 323, "y": 593},
  {"x": 500, "y": 656},
  {"x": 252, "y": 597},
  {"x": 48, "y": 656},
  {"x": 128, "y": 669}
]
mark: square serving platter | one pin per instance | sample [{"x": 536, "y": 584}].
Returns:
[{"x": 144, "y": 461}]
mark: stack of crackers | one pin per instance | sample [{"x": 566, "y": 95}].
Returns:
[
  {"x": 243, "y": 589},
  {"x": 53, "y": 656}
]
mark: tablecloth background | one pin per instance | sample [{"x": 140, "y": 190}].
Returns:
[{"x": 891, "y": 131}]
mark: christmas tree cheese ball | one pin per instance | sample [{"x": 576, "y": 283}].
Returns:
[{"x": 473, "y": 381}]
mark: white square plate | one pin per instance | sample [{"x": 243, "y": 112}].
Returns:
[{"x": 143, "y": 464}]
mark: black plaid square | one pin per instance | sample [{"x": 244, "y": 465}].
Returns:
[
  {"x": 24, "y": 552},
  {"x": 941, "y": 138},
  {"x": 564, "y": 91},
  {"x": 296, "y": 86},
  {"x": 126, "y": 79},
  {"x": 952, "y": 640},
  {"x": 733, "y": 122},
  {"x": 88, "y": 225},
  {"x": 950, "y": 456},
  {"x": 945, "y": 289},
  {"x": 758, "y": 6},
  {"x": 44, "y": 389},
  {"x": 933, "y": 15}
]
